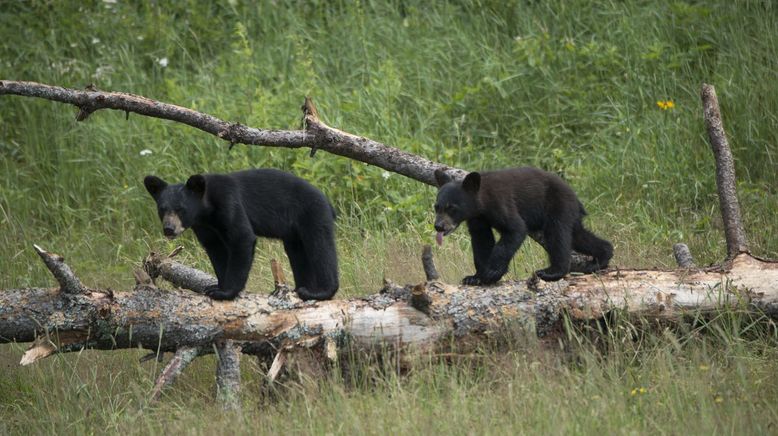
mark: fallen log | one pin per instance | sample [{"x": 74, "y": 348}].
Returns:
[{"x": 175, "y": 319}]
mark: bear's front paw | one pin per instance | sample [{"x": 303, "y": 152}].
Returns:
[
  {"x": 471, "y": 280},
  {"x": 491, "y": 276},
  {"x": 216, "y": 293}
]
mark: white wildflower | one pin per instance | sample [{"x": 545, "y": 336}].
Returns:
[
  {"x": 162, "y": 62},
  {"x": 145, "y": 152},
  {"x": 95, "y": 40},
  {"x": 386, "y": 174}
]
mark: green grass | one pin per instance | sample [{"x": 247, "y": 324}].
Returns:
[{"x": 570, "y": 86}]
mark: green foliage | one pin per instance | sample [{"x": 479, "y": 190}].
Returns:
[{"x": 570, "y": 86}]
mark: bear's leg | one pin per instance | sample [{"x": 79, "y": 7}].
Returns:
[
  {"x": 558, "y": 235},
  {"x": 321, "y": 264},
  {"x": 216, "y": 251},
  {"x": 296, "y": 254},
  {"x": 510, "y": 241},
  {"x": 241, "y": 257},
  {"x": 588, "y": 243},
  {"x": 482, "y": 242}
]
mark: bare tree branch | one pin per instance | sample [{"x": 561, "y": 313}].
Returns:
[
  {"x": 317, "y": 135},
  {"x": 725, "y": 174}
]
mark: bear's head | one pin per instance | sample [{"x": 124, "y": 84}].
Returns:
[
  {"x": 456, "y": 202},
  {"x": 179, "y": 206}
]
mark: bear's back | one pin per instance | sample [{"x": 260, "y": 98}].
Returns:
[
  {"x": 275, "y": 202},
  {"x": 532, "y": 192}
]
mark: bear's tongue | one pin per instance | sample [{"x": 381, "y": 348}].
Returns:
[{"x": 439, "y": 238}]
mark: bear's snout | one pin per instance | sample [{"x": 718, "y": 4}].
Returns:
[
  {"x": 171, "y": 225},
  {"x": 444, "y": 224}
]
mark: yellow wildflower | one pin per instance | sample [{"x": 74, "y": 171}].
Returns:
[
  {"x": 704, "y": 367},
  {"x": 718, "y": 399},
  {"x": 665, "y": 104}
]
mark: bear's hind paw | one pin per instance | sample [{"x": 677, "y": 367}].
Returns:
[{"x": 216, "y": 293}]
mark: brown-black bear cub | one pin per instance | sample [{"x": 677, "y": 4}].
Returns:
[
  {"x": 228, "y": 211},
  {"x": 513, "y": 202}
]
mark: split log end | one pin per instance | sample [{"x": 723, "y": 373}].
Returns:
[
  {"x": 40, "y": 349},
  {"x": 276, "y": 366}
]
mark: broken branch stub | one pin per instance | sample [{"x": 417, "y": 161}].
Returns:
[
  {"x": 683, "y": 257},
  {"x": 67, "y": 280},
  {"x": 182, "y": 358}
]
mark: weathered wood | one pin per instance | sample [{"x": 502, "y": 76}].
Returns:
[
  {"x": 278, "y": 364},
  {"x": 166, "y": 320},
  {"x": 725, "y": 174},
  {"x": 56, "y": 264},
  {"x": 278, "y": 273},
  {"x": 183, "y": 357},
  {"x": 157, "y": 265},
  {"x": 430, "y": 272},
  {"x": 228, "y": 374},
  {"x": 683, "y": 257}
]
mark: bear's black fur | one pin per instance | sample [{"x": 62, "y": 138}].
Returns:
[
  {"x": 514, "y": 202},
  {"x": 227, "y": 212}
]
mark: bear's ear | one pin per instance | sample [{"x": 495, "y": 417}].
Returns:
[
  {"x": 472, "y": 183},
  {"x": 196, "y": 184},
  {"x": 441, "y": 178},
  {"x": 154, "y": 185}
]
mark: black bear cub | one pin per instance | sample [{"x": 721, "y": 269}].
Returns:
[
  {"x": 514, "y": 202},
  {"x": 228, "y": 211}
]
